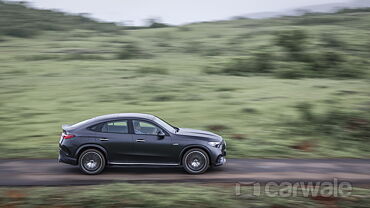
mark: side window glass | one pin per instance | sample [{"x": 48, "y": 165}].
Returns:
[
  {"x": 119, "y": 127},
  {"x": 143, "y": 127},
  {"x": 96, "y": 127}
]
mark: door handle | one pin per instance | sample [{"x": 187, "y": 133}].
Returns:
[
  {"x": 140, "y": 140},
  {"x": 104, "y": 139}
]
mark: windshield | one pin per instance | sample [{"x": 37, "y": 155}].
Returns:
[{"x": 165, "y": 125}]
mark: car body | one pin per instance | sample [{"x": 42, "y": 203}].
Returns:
[{"x": 138, "y": 139}]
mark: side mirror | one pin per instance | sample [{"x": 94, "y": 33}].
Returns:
[{"x": 161, "y": 134}]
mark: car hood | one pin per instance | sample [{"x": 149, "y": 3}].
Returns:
[{"x": 199, "y": 133}]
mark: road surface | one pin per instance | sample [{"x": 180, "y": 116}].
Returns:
[{"x": 32, "y": 172}]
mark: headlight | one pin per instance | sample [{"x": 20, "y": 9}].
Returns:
[{"x": 214, "y": 144}]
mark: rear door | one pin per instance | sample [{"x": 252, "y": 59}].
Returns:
[
  {"x": 149, "y": 146},
  {"x": 115, "y": 138}
]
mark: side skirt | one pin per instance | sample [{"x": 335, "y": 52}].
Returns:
[{"x": 144, "y": 164}]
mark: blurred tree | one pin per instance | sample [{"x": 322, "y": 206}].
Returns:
[
  {"x": 293, "y": 41},
  {"x": 130, "y": 51},
  {"x": 331, "y": 41},
  {"x": 155, "y": 23}
]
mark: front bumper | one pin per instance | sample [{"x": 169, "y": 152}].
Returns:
[
  {"x": 220, "y": 160},
  {"x": 221, "y": 156}
]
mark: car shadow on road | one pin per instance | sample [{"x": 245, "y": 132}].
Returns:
[{"x": 139, "y": 170}]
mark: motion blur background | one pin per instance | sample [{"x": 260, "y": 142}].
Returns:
[{"x": 286, "y": 83}]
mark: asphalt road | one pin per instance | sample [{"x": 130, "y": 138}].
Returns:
[{"x": 32, "y": 172}]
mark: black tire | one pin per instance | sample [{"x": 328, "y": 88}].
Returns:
[
  {"x": 195, "y": 161},
  {"x": 91, "y": 162}
]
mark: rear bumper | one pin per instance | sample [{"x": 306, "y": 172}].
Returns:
[{"x": 65, "y": 159}]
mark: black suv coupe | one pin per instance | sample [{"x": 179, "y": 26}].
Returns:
[{"x": 134, "y": 139}]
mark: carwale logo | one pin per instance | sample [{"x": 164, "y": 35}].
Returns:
[{"x": 334, "y": 188}]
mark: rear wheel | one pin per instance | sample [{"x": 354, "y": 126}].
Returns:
[
  {"x": 195, "y": 161},
  {"x": 91, "y": 162}
]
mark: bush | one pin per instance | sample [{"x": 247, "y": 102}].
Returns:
[
  {"x": 47, "y": 26},
  {"x": 331, "y": 41},
  {"x": 155, "y": 23},
  {"x": 163, "y": 98},
  {"x": 330, "y": 20},
  {"x": 249, "y": 110},
  {"x": 239, "y": 67},
  {"x": 335, "y": 124},
  {"x": 261, "y": 62},
  {"x": 292, "y": 41},
  {"x": 130, "y": 51},
  {"x": 305, "y": 110},
  {"x": 17, "y": 19},
  {"x": 353, "y": 67},
  {"x": 158, "y": 25},
  {"x": 20, "y": 32},
  {"x": 329, "y": 59},
  {"x": 329, "y": 62},
  {"x": 333, "y": 64}
]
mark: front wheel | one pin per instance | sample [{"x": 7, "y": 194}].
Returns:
[
  {"x": 195, "y": 161},
  {"x": 91, "y": 162}
]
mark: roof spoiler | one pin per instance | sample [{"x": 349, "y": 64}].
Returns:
[{"x": 66, "y": 127}]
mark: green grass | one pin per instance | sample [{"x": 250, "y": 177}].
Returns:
[
  {"x": 151, "y": 195},
  {"x": 65, "y": 77}
]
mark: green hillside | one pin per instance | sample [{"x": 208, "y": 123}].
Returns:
[
  {"x": 20, "y": 21},
  {"x": 283, "y": 87}
]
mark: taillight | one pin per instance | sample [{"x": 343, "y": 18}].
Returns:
[{"x": 68, "y": 136}]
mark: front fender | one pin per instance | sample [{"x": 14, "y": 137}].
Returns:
[{"x": 186, "y": 148}]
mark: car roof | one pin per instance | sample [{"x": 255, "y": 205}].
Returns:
[
  {"x": 107, "y": 117},
  {"x": 124, "y": 115}
]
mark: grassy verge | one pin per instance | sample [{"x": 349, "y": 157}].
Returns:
[{"x": 151, "y": 195}]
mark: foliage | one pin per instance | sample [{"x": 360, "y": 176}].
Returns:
[
  {"x": 260, "y": 62},
  {"x": 292, "y": 41},
  {"x": 177, "y": 194},
  {"x": 130, "y": 51},
  {"x": 335, "y": 124},
  {"x": 17, "y": 20},
  {"x": 155, "y": 23}
]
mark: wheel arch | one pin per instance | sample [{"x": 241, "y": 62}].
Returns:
[
  {"x": 187, "y": 148},
  {"x": 91, "y": 146}
]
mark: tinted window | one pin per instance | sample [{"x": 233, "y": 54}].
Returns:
[
  {"x": 115, "y": 127},
  {"x": 143, "y": 127}
]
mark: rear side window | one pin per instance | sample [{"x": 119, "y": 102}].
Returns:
[
  {"x": 96, "y": 127},
  {"x": 119, "y": 127}
]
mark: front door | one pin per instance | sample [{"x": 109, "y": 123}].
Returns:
[{"x": 150, "y": 147}]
